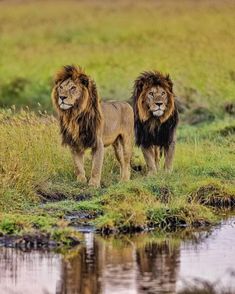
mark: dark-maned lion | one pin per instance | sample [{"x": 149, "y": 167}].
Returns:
[
  {"x": 85, "y": 122},
  {"x": 156, "y": 118}
]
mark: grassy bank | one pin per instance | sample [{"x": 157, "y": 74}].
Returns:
[
  {"x": 115, "y": 41},
  {"x": 37, "y": 179}
]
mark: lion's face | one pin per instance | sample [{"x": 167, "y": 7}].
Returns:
[
  {"x": 69, "y": 94},
  {"x": 72, "y": 91},
  {"x": 156, "y": 100},
  {"x": 153, "y": 97}
]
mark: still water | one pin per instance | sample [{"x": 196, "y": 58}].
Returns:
[{"x": 144, "y": 263}]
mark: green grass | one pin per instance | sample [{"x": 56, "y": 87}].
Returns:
[
  {"x": 35, "y": 164},
  {"x": 114, "y": 42},
  {"x": 37, "y": 227}
]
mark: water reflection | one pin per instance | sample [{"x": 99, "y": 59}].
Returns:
[
  {"x": 28, "y": 272},
  {"x": 121, "y": 266},
  {"x": 158, "y": 266},
  {"x": 146, "y": 263}
]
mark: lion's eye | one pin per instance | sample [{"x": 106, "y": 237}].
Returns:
[
  {"x": 72, "y": 88},
  {"x": 151, "y": 93},
  {"x": 163, "y": 93},
  {"x": 61, "y": 87}
]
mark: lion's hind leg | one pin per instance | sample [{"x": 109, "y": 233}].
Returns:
[
  {"x": 118, "y": 149},
  {"x": 123, "y": 155},
  {"x": 127, "y": 141}
]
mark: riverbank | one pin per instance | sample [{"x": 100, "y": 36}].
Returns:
[{"x": 40, "y": 195}]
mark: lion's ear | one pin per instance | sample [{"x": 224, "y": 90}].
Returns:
[
  {"x": 84, "y": 80},
  {"x": 170, "y": 83}
]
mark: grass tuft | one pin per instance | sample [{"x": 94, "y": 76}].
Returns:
[{"x": 214, "y": 195}]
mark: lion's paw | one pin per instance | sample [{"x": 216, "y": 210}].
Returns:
[
  {"x": 94, "y": 183},
  {"x": 82, "y": 179}
]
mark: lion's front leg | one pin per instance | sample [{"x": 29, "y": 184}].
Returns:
[
  {"x": 97, "y": 162},
  {"x": 78, "y": 157},
  {"x": 169, "y": 156},
  {"x": 157, "y": 156},
  {"x": 149, "y": 156}
]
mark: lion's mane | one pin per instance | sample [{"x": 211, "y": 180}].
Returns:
[
  {"x": 150, "y": 130},
  {"x": 78, "y": 129}
]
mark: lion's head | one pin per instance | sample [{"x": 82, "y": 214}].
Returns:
[
  {"x": 73, "y": 90},
  {"x": 153, "y": 97},
  {"x": 76, "y": 100}
]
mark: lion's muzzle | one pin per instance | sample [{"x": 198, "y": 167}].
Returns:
[
  {"x": 62, "y": 104},
  {"x": 158, "y": 109}
]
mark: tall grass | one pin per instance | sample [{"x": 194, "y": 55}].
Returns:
[{"x": 34, "y": 162}]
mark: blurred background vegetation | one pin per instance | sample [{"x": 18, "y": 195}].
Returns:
[{"x": 114, "y": 41}]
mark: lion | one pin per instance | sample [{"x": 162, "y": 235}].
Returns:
[
  {"x": 155, "y": 118},
  {"x": 86, "y": 122}
]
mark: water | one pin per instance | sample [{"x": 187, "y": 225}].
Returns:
[{"x": 144, "y": 263}]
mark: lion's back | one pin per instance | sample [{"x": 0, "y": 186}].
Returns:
[
  {"x": 119, "y": 111},
  {"x": 118, "y": 117}
]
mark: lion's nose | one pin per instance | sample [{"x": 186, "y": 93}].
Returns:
[
  {"x": 63, "y": 97},
  {"x": 159, "y": 104}
]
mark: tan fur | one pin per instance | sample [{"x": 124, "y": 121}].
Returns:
[{"x": 88, "y": 123}]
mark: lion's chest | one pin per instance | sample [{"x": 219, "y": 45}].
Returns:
[
  {"x": 78, "y": 135},
  {"x": 161, "y": 135}
]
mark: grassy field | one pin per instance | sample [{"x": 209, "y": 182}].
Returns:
[
  {"x": 192, "y": 40},
  {"x": 36, "y": 169}
]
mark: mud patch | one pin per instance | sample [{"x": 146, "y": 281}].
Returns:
[
  {"x": 82, "y": 197},
  {"x": 35, "y": 241},
  {"x": 211, "y": 195},
  {"x": 46, "y": 196},
  {"x": 50, "y": 196}
]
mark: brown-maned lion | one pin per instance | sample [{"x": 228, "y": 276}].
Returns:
[
  {"x": 85, "y": 122},
  {"x": 156, "y": 118}
]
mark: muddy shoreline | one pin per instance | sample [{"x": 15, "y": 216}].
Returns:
[{"x": 39, "y": 240}]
